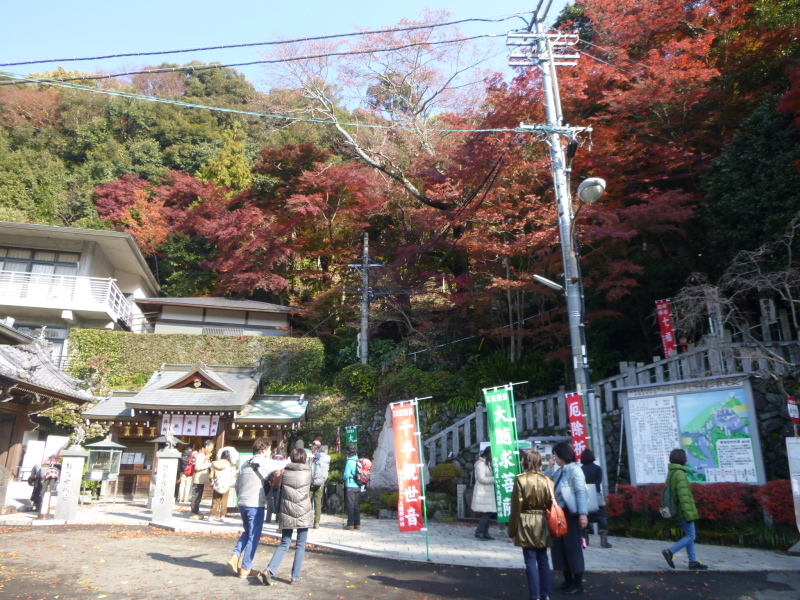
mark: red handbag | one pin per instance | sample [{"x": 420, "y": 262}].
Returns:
[{"x": 556, "y": 519}]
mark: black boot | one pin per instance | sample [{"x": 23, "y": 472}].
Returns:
[
  {"x": 577, "y": 585},
  {"x": 604, "y": 539}
]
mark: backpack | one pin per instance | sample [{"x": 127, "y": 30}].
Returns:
[
  {"x": 669, "y": 506},
  {"x": 223, "y": 481},
  {"x": 363, "y": 471},
  {"x": 188, "y": 470}
]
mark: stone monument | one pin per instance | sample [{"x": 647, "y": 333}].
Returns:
[
  {"x": 384, "y": 465},
  {"x": 5, "y": 477},
  {"x": 164, "y": 492},
  {"x": 69, "y": 482}
]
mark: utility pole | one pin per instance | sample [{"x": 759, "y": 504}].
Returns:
[
  {"x": 366, "y": 295},
  {"x": 547, "y": 51}
]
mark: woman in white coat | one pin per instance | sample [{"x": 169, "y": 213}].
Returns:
[{"x": 483, "y": 495}]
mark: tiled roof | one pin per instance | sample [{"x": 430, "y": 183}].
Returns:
[
  {"x": 30, "y": 366},
  {"x": 274, "y": 408},
  {"x": 111, "y": 407},
  {"x": 219, "y": 303},
  {"x": 243, "y": 383}
]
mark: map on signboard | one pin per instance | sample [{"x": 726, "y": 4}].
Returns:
[{"x": 715, "y": 430}]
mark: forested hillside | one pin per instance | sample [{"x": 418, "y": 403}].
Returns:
[{"x": 695, "y": 111}]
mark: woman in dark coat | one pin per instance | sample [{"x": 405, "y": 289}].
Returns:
[
  {"x": 687, "y": 511},
  {"x": 532, "y": 495},
  {"x": 296, "y": 513},
  {"x": 594, "y": 476},
  {"x": 567, "y": 552}
]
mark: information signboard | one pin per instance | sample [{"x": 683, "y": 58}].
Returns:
[{"x": 713, "y": 420}]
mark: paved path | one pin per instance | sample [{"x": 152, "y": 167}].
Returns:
[{"x": 449, "y": 543}]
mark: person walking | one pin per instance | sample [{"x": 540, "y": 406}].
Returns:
[
  {"x": 483, "y": 494},
  {"x": 223, "y": 476},
  {"x": 320, "y": 466},
  {"x": 201, "y": 477},
  {"x": 296, "y": 513},
  {"x": 527, "y": 525},
  {"x": 252, "y": 497},
  {"x": 570, "y": 493},
  {"x": 594, "y": 476},
  {"x": 352, "y": 488},
  {"x": 687, "y": 511},
  {"x": 185, "y": 485},
  {"x": 273, "y": 506}
]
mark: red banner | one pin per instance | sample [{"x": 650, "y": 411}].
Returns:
[
  {"x": 577, "y": 424},
  {"x": 667, "y": 330},
  {"x": 407, "y": 458}
]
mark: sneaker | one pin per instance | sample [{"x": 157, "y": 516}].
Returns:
[
  {"x": 316, "y": 525},
  {"x": 349, "y": 527},
  {"x": 356, "y": 526},
  {"x": 233, "y": 564},
  {"x": 266, "y": 577},
  {"x": 697, "y": 566},
  {"x": 668, "y": 557},
  {"x": 196, "y": 517},
  {"x": 294, "y": 582},
  {"x": 244, "y": 573}
]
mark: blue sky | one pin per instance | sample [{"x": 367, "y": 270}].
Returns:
[{"x": 49, "y": 29}]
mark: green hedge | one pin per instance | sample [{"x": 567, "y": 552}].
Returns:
[{"x": 127, "y": 360}]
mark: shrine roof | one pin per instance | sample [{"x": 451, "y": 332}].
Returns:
[
  {"x": 219, "y": 388},
  {"x": 30, "y": 368},
  {"x": 112, "y": 407},
  {"x": 273, "y": 408}
]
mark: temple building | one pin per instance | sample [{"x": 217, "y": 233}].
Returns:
[{"x": 196, "y": 402}]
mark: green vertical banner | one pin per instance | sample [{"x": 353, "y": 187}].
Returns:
[
  {"x": 502, "y": 424},
  {"x": 351, "y": 435}
]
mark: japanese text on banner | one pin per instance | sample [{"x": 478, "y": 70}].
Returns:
[
  {"x": 503, "y": 438},
  {"x": 577, "y": 424},
  {"x": 667, "y": 330},
  {"x": 351, "y": 435},
  {"x": 407, "y": 458}
]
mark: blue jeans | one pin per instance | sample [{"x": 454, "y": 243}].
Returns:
[
  {"x": 537, "y": 567},
  {"x": 299, "y": 552},
  {"x": 253, "y": 522},
  {"x": 687, "y": 541}
]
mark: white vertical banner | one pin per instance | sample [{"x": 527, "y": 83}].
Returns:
[
  {"x": 176, "y": 424},
  {"x": 165, "y": 424},
  {"x": 214, "y": 425},
  {"x": 190, "y": 425},
  {"x": 204, "y": 425}
]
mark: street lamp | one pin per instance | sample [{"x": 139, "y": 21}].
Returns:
[{"x": 589, "y": 191}]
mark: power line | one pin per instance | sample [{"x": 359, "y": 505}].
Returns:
[
  {"x": 271, "y": 43},
  {"x": 121, "y": 94},
  {"x": 272, "y": 60}
]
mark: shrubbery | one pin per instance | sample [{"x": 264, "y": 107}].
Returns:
[{"x": 730, "y": 513}]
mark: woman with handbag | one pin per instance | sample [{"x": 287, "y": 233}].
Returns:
[
  {"x": 570, "y": 489},
  {"x": 532, "y": 495},
  {"x": 483, "y": 495},
  {"x": 594, "y": 476}
]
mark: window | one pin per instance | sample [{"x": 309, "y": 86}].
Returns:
[
  {"x": 27, "y": 260},
  {"x": 56, "y": 336}
]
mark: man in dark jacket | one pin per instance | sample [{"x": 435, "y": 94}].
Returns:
[
  {"x": 594, "y": 476},
  {"x": 320, "y": 465}
]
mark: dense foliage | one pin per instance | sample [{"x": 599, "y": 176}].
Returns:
[
  {"x": 127, "y": 360},
  {"x": 694, "y": 107}
]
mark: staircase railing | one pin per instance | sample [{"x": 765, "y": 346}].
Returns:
[{"x": 550, "y": 410}]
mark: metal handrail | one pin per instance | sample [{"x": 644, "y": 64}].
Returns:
[{"x": 73, "y": 291}]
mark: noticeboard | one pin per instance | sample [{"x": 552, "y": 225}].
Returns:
[{"x": 713, "y": 419}]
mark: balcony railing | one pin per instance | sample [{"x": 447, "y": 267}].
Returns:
[{"x": 66, "y": 292}]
